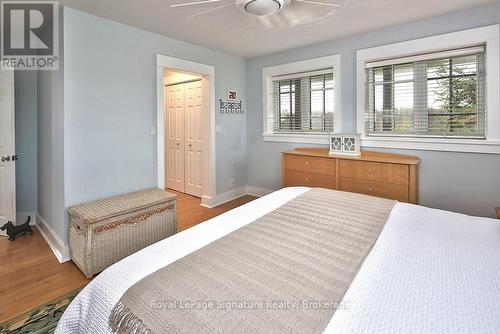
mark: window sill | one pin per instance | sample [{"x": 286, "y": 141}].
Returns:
[
  {"x": 434, "y": 144},
  {"x": 424, "y": 144},
  {"x": 296, "y": 138}
]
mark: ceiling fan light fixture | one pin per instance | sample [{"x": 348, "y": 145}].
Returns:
[{"x": 263, "y": 7}]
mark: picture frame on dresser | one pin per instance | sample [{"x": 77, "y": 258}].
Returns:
[{"x": 345, "y": 144}]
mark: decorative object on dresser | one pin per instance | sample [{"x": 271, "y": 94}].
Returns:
[
  {"x": 345, "y": 144},
  {"x": 373, "y": 173},
  {"x": 105, "y": 231}
]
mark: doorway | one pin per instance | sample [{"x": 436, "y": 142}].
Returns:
[
  {"x": 183, "y": 101},
  {"x": 7, "y": 152},
  {"x": 207, "y": 74}
]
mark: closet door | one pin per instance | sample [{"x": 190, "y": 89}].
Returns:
[
  {"x": 194, "y": 138},
  {"x": 175, "y": 137}
]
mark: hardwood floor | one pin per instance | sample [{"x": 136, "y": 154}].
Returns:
[
  {"x": 31, "y": 276},
  {"x": 190, "y": 212}
]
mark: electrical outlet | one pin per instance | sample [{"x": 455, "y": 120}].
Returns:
[
  {"x": 230, "y": 183},
  {"x": 152, "y": 131}
]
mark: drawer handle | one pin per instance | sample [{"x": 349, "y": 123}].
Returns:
[
  {"x": 371, "y": 170},
  {"x": 307, "y": 162},
  {"x": 370, "y": 189},
  {"x": 307, "y": 179}
]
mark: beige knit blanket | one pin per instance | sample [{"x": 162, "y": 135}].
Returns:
[{"x": 287, "y": 272}]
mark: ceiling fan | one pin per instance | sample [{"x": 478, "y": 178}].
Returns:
[{"x": 258, "y": 7}]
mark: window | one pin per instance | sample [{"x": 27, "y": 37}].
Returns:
[
  {"x": 303, "y": 103},
  {"x": 431, "y": 95},
  {"x": 437, "y": 93},
  {"x": 301, "y": 100}
]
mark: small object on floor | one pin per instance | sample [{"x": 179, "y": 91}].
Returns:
[{"x": 13, "y": 230}]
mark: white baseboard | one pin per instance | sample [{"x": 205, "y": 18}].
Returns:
[
  {"x": 60, "y": 250},
  {"x": 232, "y": 195},
  {"x": 258, "y": 192},
  {"x": 205, "y": 200},
  {"x": 223, "y": 198},
  {"x": 21, "y": 217}
]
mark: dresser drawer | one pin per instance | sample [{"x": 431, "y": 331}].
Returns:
[
  {"x": 298, "y": 178},
  {"x": 310, "y": 164},
  {"x": 387, "y": 190},
  {"x": 375, "y": 171}
]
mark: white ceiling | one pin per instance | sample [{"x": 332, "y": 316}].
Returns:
[{"x": 232, "y": 31}]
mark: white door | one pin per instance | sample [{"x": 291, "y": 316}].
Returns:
[
  {"x": 194, "y": 138},
  {"x": 175, "y": 137},
  {"x": 7, "y": 164}
]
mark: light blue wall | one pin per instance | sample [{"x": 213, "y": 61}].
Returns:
[
  {"x": 50, "y": 143},
  {"x": 51, "y": 151},
  {"x": 25, "y": 101},
  {"x": 467, "y": 183},
  {"x": 110, "y": 103}
]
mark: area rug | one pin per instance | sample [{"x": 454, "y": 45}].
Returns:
[{"x": 40, "y": 320}]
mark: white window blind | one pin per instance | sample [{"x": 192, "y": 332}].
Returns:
[
  {"x": 303, "y": 102},
  {"x": 430, "y": 95}
]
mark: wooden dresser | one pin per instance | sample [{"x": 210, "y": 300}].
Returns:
[{"x": 373, "y": 173}]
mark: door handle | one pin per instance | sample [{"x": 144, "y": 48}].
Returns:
[
  {"x": 15, "y": 157},
  {"x": 6, "y": 158}
]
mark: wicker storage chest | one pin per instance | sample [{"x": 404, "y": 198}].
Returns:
[{"x": 104, "y": 232}]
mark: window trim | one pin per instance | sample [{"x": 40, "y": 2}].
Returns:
[
  {"x": 308, "y": 65},
  {"x": 490, "y": 36}
]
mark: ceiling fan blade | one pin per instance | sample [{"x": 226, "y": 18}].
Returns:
[
  {"x": 193, "y": 3},
  {"x": 209, "y": 11},
  {"x": 319, "y": 3}
]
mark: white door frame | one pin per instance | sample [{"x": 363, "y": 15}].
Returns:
[
  {"x": 208, "y": 78},
  {"x": 10, "y": 197}
]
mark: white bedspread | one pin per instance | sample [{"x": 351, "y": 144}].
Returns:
[{"x": 431, "y": 271}]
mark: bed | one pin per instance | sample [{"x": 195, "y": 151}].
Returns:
[{"x": 430, "y": 271}]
